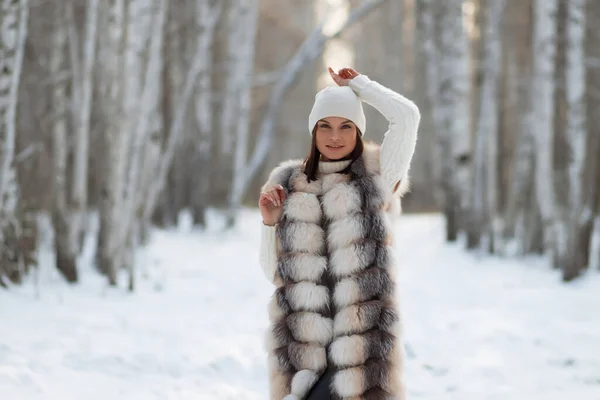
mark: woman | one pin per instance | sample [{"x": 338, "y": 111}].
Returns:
[{"x": 326, "y": 246}]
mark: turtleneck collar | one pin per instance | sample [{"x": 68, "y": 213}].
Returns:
[{"x": 330, "y": 167}]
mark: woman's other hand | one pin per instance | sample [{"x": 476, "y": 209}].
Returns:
[
  {"x": 343, "y": 76},
  {"x": 271, "y": 205}
]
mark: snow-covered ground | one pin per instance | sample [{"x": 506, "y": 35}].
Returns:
[{"x": 476, "y": 327}]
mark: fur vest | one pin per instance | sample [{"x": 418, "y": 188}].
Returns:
[{"x": 335, "y": 303}]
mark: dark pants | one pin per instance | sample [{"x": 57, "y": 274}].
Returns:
[{"x": 321, "y": 390}]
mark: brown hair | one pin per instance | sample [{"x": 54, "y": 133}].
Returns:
[{"x": 311, "y": 162}]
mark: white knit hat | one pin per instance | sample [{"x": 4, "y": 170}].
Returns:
[{"x": 337, "y": 101}]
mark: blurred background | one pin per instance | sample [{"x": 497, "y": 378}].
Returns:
[{"x": 135, "y": 136}]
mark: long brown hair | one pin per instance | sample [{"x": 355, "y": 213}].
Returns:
[{"x": 311, "y": 162}]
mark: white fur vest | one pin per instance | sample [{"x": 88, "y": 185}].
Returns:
[{"x": 335, "y": 302}]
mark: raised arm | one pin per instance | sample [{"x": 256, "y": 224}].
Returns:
[{"x": 403, "y": 116}]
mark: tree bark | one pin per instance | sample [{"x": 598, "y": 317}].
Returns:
[
  {"x": 13, "y": 19},
  {"x": 207, "y": 17},
  {"x": 66, "y": 254},
  {"x": 543, "y": 110},
  {"x": 115, "y": 141},
  {"x": 577, "y": 132}
]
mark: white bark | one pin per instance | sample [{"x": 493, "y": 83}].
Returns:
[
  {"x": 544, "y": 38},
  {"x": 147, "y": 105},
  {"x": 207, "y": 17},
  {"x": 492, "y": 84},
  {"x": 308, "y": 52},
  {"x": 115, "y": 141},
  {"x": 576, "y": 133},
  {"x": 244, "y": 69},
  {"x": 65, "y": 252},
  {"x": 13, "y": 17},
  {"x": 484, "y": 194},
  {"x": 446, "y": 52},
  {"x": 13, "y": 20},
  {"x": 79, "y": 193}
]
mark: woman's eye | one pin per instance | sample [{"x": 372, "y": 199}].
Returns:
[
  {"x": 346, "y": 126},
  {"x": 324, "y": 126}
]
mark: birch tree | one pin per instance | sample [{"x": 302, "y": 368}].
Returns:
[
  {"x": 242, "y": 38},
  {"x": 577, "y": 133},
  {"x": 115, "y": 137},
  {"x": 83, "y": 104},
  {"x": 13, "y": 19},
  {"x": 207, "y": 16},
  {"x": 65, "y": 253},
  {"x": 484, "y": 192},
  {"x": 544, "y": 37},
  {"x": 446, "y": 50}
]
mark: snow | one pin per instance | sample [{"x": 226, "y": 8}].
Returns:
[{"x": 476, "y": 327}]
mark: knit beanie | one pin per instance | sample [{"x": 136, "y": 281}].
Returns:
[{"x": 337, "y": 101}]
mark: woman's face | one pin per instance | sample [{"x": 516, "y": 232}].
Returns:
[{"x": 335, "y": 137}]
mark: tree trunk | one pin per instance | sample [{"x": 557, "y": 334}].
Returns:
[
  {"x": 543, "y": 109},
  {"x": 66, "y": 253},
  {"x": 207, "y": 18},
  {"x": 13, "y": 18},
  {"x": 243, "y": 72},
  {"x": 577, "y": 136},
  {"x": 450, "y": 96},
  {"x": 115, "y": 141}
]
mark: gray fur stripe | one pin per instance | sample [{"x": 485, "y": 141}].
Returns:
[
  {"x": 379, "y": 344},
  {"x": 281, "y": 300},
  {"x": 388, "y": 318},
  {"x": 283, "y": 360},
  {"x": 358, "y": 318},
  {"x": 376, "y": 374},
  {"x": 374, "y": 282},
  {"x": 282, "y": 334},
  {"x": 371, "y": 196}
]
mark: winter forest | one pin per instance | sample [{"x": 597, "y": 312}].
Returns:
[
  {"x": 137, "y": 110},
  {"x": 123, "y": 120}
]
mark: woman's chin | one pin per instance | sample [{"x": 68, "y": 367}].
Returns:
[{"x": 335, "y": 155}]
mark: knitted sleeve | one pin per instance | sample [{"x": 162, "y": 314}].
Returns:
[
  {"x": 268, "y": 252},
  {"x": 403, "y": 116}
]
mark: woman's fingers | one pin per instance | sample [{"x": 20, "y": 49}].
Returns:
[{"x": 280, "y": 193}]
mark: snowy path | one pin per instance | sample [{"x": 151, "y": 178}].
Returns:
[{"x": 482, "y": 329}]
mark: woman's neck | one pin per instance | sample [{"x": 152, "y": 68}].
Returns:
[{"x": 329, "y": 166}]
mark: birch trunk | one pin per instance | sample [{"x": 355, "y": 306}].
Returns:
[
  {"x": 244, "y": 70},
  {"x": 577, "y": 137},
  {"x": 115, "y": 142},
  {"x": 207, "y": 17},
  {"x": 491, "y": 96},
  {"x": 79, "y": 194},
  {"x": 544, "y": 37},
  {"x": 484, "y": 193},
  {"x": 66, "y": 254},
  {"x": 453, "y": 112},
  {"x": 13, "y": 19}
]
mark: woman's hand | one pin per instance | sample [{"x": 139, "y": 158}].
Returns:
[
  {"x": 344, "y": 76},
  {"x": 271, "y": 205}
]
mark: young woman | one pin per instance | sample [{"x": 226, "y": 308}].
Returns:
[{"x": 326, "y": 246}]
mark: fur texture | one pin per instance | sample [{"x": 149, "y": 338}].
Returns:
[{"x": 335, "y": 298}]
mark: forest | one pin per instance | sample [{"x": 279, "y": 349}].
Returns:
[{"x": 131, "y": 112}]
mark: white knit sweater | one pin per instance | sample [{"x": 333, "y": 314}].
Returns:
[{"x": 397, "y": 150}]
